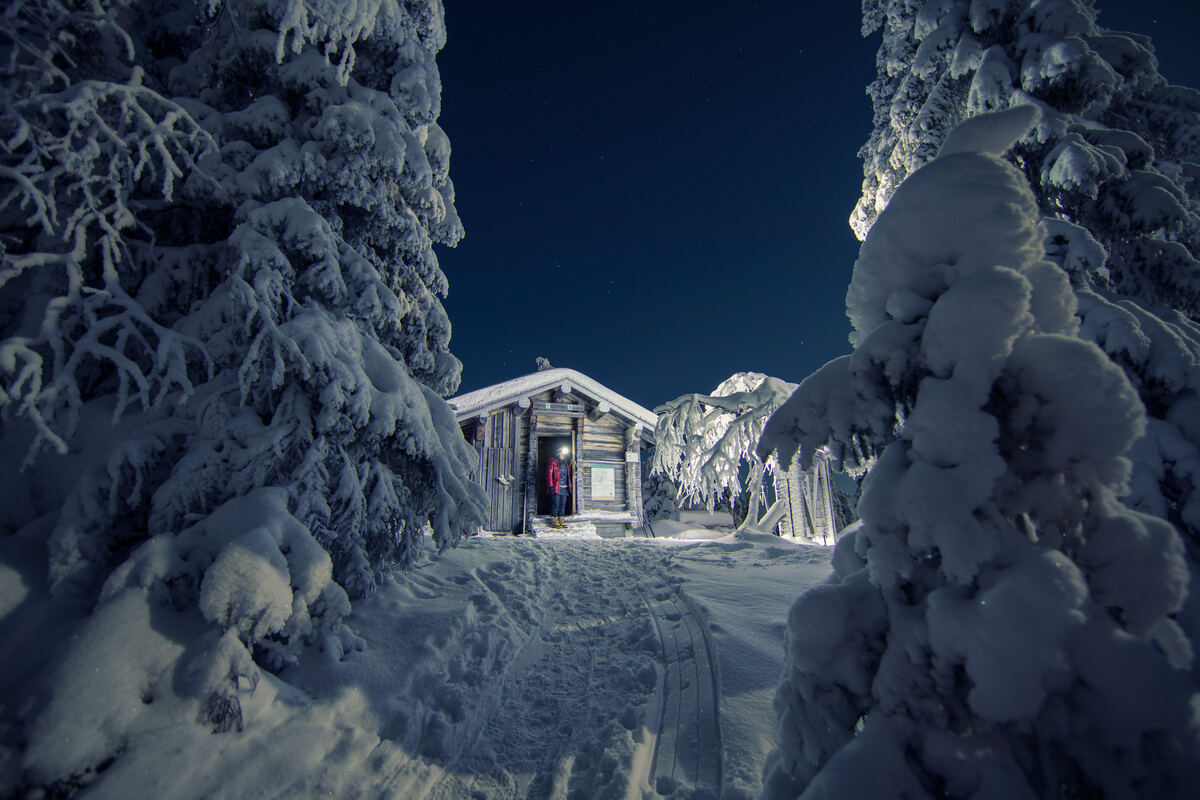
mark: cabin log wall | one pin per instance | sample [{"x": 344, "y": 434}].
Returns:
[
  {"x": 619, "y": 489},
  {"x": 603, "y": 440}
]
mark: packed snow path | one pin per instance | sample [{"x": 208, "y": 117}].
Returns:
[
  {"x": 613, "y": 688},
  {"x": 505, "y": 668},
  {"x": 584, "y": 668}
]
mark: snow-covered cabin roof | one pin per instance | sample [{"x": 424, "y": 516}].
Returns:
[{"x": 500, "y": 395}]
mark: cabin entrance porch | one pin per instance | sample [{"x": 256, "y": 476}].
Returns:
[{"x": 547, "y": 446}]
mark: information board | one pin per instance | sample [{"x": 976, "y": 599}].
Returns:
[{"x": 604, "y": 484}]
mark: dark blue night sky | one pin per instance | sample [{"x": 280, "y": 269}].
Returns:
[{"x": 656, "y": 194}]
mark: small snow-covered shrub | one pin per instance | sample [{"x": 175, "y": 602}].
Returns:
[
  {"x": 999, "y": 625},
  {"x": 223, "y": 355}
]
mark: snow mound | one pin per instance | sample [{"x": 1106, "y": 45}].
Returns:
[{"x": 993, "y": 134}]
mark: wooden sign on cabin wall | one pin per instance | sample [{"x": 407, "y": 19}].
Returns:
[{"x": 604, "y": 483}]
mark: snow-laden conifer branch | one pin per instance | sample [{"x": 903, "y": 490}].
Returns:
[
  {"x": 705, "y": 442},
  {"x": 74, "y": 155}
]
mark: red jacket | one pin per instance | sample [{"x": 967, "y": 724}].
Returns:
[{"x": 553, "y": 472}]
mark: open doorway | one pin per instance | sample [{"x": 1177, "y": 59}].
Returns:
[{"x": 548, "y": 446}]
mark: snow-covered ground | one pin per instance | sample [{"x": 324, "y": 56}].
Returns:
[{"x": 508, "y": 667}]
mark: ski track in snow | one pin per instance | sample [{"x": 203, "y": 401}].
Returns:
[{"x": 688, "y": 750}]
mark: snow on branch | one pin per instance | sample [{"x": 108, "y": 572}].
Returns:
[
  {"x": 74, "y": 156},
  {"x": 338, "y": 26},
  {"x": 703, "y": 441}
]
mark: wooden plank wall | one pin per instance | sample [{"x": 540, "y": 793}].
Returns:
[
  {"x": 585, "y": 491},
  {"x": 603, "y": 440},
  {"x": 496, "y": 467},
  {"x": 603, "y": 443},
  {"x": 496, "y": 473},
  {"x": 633, "y": 484},
  {"x": 555, "y": 426}
]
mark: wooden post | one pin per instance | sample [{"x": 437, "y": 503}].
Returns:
[
  {"x": 531, "y": 476},
  {"x": 577, "y": 454},
  {"x": 480, "y": 444},
  {"x": 515, "y": 467},
  {"x": 633, "y": 473},
  {"x": 599, "y": 411},
  {"x": 633, "y": 435}
]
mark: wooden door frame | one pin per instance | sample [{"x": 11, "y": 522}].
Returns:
[{"x": 535, "y": 446}]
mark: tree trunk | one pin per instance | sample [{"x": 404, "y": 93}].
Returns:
[{"x": 755, "y": 491}]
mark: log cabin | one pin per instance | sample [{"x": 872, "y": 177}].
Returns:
[{"x": 515, "y": 426}]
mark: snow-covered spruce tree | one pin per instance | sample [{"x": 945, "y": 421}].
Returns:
[
  {"x": 1113, "y": 167},
  {"x": 705, "y": 443},
  {"x": 1000, "y": 625},
  {"x": 843, "y": 508},
  {"x": 219, "y": 314},
  {"x": 659, "y": 497}
]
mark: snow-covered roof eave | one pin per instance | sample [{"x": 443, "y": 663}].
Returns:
[{"x": 500, "y": 395}]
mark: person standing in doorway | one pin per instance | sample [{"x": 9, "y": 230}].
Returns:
[{"x": 560, "y": 481}]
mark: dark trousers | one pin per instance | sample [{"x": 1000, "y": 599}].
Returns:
[{"x": 558, "y": 504}]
